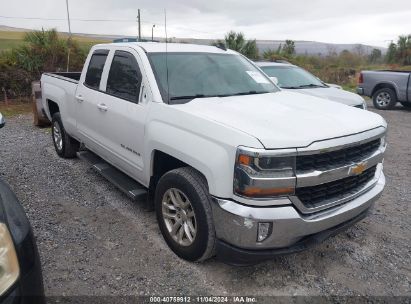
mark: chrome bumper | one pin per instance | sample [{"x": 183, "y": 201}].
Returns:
[{"x": 237, "y": 224}]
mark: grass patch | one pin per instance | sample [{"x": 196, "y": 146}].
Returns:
[
  {"x": 9, "y": 40},
  {"x": 8, "y": 44},
  {"x": 15, "y": 108},
  {"x": 350, "y": 87}
]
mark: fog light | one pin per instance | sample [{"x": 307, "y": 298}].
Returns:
[{"x": 264, "y": 231}]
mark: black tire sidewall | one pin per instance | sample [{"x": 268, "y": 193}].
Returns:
[
  {"x": 196, "y": 250},
  {"x": 392, "y": 102},
  {"x": 57, "y": 119}
]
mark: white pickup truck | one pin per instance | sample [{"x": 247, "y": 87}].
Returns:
[{"x": 234, "y": 166}]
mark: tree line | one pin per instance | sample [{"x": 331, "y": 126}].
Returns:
[
  {"x": 45, "y": 51},
  {"x": 397, "y": 53},
  {"x": 335, "y": 67}
]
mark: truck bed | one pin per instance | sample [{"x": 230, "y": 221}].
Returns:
[
  {"x": 399, "y": 81},
  {"x": 68, "y": 76},
  {"x": 396, "y": 71}
]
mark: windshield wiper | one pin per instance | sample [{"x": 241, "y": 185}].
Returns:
[
  {"x": 188, "y": 97},
  {"x": 219, "y": 95},
  {"x": 311, "y": 85},
  {"x": 242, "y": 93},
  {"x": 290, "y": 87}
]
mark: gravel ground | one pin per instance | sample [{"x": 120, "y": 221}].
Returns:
[{"x": 94, "y": 241}]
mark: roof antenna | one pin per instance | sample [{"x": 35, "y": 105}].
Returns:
[{"x": 168, "y": 85}]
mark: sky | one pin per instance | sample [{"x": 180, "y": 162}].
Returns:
[{"x": 373, "y": 22}]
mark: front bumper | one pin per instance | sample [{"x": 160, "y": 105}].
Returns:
[{"x": 237, "y": 225}]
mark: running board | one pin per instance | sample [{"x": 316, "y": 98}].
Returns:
[{"x": 129, "y": 186}]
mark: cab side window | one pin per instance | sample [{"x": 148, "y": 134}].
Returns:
[
  {"x": 95, "y": 69},
  {"x": 124, "y": 78}
]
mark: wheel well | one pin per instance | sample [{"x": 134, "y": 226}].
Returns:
[
  {"x": 53, "y": 107},
  {"x": 163, "y": 162},
  {"x": 382, "y": 86}
]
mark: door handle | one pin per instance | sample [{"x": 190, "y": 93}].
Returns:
[
  {"x": 102, "y": 107},
  {"x": 79, "y": 98}
]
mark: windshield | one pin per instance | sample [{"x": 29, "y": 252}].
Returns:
[
  {"x": 291, "y": 77},
  {"x": 197, "y": 75}
]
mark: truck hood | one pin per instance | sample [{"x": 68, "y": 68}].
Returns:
[
  {"x": 333, "y": 94},
  {"x": 284, "y": 119}
]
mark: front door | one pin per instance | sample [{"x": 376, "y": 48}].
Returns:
[{"x": 123, "y": 110}]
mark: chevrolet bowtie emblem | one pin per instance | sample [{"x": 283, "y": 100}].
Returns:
[{"x": 358, "y": 169}]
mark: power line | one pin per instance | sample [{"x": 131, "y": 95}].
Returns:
[
  {"x": 75, "y": 19},
  {"x": 104, "y": 20}
]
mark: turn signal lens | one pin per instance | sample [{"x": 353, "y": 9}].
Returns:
[
  {"x": 244, "y": 159},
  {"x": 259, "y": 192}
]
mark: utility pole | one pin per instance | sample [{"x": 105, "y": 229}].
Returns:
[
  {"x": 152, "y": 32},
  {"x": 69, "y": 39},
  {"x": 139, "y": 25}
]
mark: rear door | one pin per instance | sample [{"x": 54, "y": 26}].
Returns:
[
  {"x": 123, "y": 110},
  {"x": 88, "y": 97}
]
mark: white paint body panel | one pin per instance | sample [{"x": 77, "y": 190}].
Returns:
[
  {"x": 203, "y": 133},
  {"x": 333, "y": 94}
]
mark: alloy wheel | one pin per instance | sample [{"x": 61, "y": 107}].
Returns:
[
  {"x": 383, "y": 99},
  {"x": 57, "y": 136},
  {"x": 179, "y": 217}
]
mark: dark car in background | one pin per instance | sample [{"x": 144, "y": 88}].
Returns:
[{"x": 20, "y": 268}]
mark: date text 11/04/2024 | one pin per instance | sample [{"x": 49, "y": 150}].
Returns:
[{"x": 204, "y": 299}]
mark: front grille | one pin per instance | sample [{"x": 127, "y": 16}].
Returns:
[
  {"x": 335, "y": 159},
  {"x": 314, "y": 196}
]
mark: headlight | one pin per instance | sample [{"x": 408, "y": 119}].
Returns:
[
  {"x": 259, "y": 175},
  {"x": 9, "y": 265}
]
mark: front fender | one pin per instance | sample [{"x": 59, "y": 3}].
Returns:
[{"x": 207, "y": 152}]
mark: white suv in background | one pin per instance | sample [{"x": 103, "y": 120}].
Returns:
[{"x": 291, "y": 77}]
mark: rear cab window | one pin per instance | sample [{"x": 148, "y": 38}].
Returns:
[{"x": 95, "y": 69}]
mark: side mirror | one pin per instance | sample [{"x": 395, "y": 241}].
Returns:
[
  {"x": 274, "y": 79},
  {"x": 2, "y": 121}
]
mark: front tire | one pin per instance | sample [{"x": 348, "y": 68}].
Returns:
[
  {"x": 183, "y": 208},
  {"x": 66, "y": 146},
  {"x": 384, "y": 99}
]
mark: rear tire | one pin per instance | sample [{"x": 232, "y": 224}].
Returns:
[
  {"x": 66, "y": 146},
  {"x": 384, "y": 99},
  {"x": 406, "y": 104},
  {"x": 183, "y": 208}
]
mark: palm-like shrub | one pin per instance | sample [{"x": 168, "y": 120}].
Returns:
[
  {"x": 237, "y": 42},
  {"x": 42, "y": 51}
]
